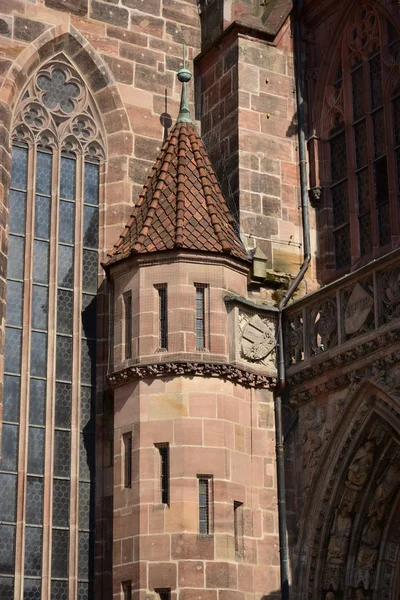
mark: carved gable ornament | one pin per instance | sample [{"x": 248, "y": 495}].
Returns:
[
  {"x": 357, "y": 310},
  {"x": 258, "y": 338}
]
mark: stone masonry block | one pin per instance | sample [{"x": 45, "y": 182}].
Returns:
[
  {"x": 162, "y": 575},
  {"x": 221, "y": 575}
]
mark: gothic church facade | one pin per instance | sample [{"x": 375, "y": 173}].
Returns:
[{"x": 200, "y": 300}]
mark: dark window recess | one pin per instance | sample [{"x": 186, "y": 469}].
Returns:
[
  {"x": 128, "y": 324},
  {"x": 162, "y": 310},
  {"x": 164, "y": 593},
  {"x": 382, "y": 200},
  {"x": 238, "y": 524},
  {"x": 164, "y": 472},
  {"x": 200, "y": 317},
  {"x": 127, "y": 590},
  {"x": 127, "y": 460},
  {"x": 204, "y": 505}
]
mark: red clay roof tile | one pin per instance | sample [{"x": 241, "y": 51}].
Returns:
[{"x": 181, "y": 204}]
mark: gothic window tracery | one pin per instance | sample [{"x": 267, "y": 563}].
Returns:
[
  {"x": 49, "y": 381},
  {"x": 361, "y": 114}
]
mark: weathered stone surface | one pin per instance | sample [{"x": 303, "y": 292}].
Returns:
[
  {"x": 115, "y": 15},
  {"x": 76, "y": 7},
  {"x": 28, "y": 30}
]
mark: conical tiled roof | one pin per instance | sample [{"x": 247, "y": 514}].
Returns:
[{"x": 181, "y": 205}]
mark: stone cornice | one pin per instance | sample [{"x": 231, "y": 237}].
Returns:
[{"x": 227, "y": 372}]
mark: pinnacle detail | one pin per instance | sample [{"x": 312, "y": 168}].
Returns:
[{"x": 184, "y": 76}]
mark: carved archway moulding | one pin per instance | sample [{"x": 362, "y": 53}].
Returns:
[{"x": 359, "y": 466}]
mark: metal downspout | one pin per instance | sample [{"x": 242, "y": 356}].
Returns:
[{"x": 280, "y": 464}]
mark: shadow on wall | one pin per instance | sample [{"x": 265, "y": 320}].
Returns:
[{"x": 272, "y": 596}]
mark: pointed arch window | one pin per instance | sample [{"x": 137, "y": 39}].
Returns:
[
  {"x": 362, "y": 151},
  {"x": 47, "y": 458}
]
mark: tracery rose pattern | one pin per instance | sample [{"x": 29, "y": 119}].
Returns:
[
  {"x": 364, "y": 32},
  {"x": 55, "y": 111}
]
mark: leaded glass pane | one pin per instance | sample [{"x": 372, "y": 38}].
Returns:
[
  {"x": 7, "y": 588},
  {"x": 8, "y": 486},
  {"x": 59, "y": 558},
  {"x": 17, "y": 212},
  {"x": 342, "y": 247},
  {"x": 65, "y": 309},
  {"x": 365, "y": 234},
  {"x": 42, "y": 217},
  {"x": 7, "y": 549},
  {"x": 34, "y": 500},
  {"x": 89, "y": 314},
  {"x": 19, "y": 169},
  {"x": 66, "y": 266},
  {"x": 36, "y": 450},
  {"x": 89, "y": 275},
  {"x": 14, "y": 303},
  {"x": 12, "y": 350},
  {"x": 364, "y": 203},
  {"x": 86, "y": 505},
  {"x": 378, "y": 122},
  {"x": 357, "y": 79},
  {"x": 63, "y": 405},
  {"x": 88, "y": 362},
  {"x": 61, "y": 502},
  {"x": 32, "y": 589},
  {"x": 58, "y": 90},
  {"x": 37, "y": 402},
  {"x": 87, "y": 456},
  {"x": 33, "y": 551},
  {"x": 67, "y": 178},
  {"x": 84, "y": 555},
  {"x": 91, "y": 183},
  {"x": 375, "y": 73},
  {"x": 38, "y": 354},
  {"x": 40, "y": 302},
  {"x": 15, "y": 264},
  {"x": 9, "y": 441},
  {"x": 59, "y": 590},
  {"x": 43, "y": 173},
  {"x": 83, "y": 591},
  {"x": 64, "y": 358},
  {"x": 91, "y": 227},
  {"x": 66, "y": 231},
  {"x": 41, "y": 262},
  {"x": 88, "y": 404},
  {"x": 11, "y": 398},
  {"x": 62, "y": 453},
  {"x": 360, "y": 133},
  {"x": 338, "y": 157}
]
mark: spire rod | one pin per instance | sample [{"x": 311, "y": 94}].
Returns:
[{"x": 184, "y": 76}]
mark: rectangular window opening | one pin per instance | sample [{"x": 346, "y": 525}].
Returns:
[
  {"x": 128, "y": 324},
  {"x": 238, "y": 523},
  {"x": 127, "y": 590},
  {"x": 163, "y": 593},
  {"x": 127, "y": 442},
  {"x": 200, "y": 316},
  {"x": 205, "y": 504},
  {"x": 163, "y": 449},
  {"x": 162, "y": 312}
]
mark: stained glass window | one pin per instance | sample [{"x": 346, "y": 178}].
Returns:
[
  {"x": 52, "y": 276},
  {"x": 359, "y": 142}
]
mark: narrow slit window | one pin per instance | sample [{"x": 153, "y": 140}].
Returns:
[
  {"x": 238, "y": 524},
  {"x": 163, "y": 450},
  {"x": 162, "y": 311},
  {"x": 128, "y": 324},
  {"x": 164, "y": 593},
  {"x": 127, "y": 590},
  {"x": 127, "y": 442},
  {"x": 205, "y": 483},
  {"x": 200, "y": 317}
]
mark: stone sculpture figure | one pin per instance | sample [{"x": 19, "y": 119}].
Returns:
[
  {"x": 371, "y": 537},
  {"x": 360, "y": 466},
  {"x": 339, "y": 540},
  {"x": 384, "y": 491},
  {"x": 330, "y": 596}
]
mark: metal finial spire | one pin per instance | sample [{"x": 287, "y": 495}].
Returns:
[{"x": 184, "y": 76}]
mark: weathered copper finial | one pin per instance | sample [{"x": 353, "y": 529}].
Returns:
[{"x": 184, "y": 76}]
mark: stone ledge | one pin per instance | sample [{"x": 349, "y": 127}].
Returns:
[{"x": 170, "y": 369}]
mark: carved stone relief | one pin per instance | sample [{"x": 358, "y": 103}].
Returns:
[
  {"x": 257, "y": 339},
  {"x": 315, "y": 434}
]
